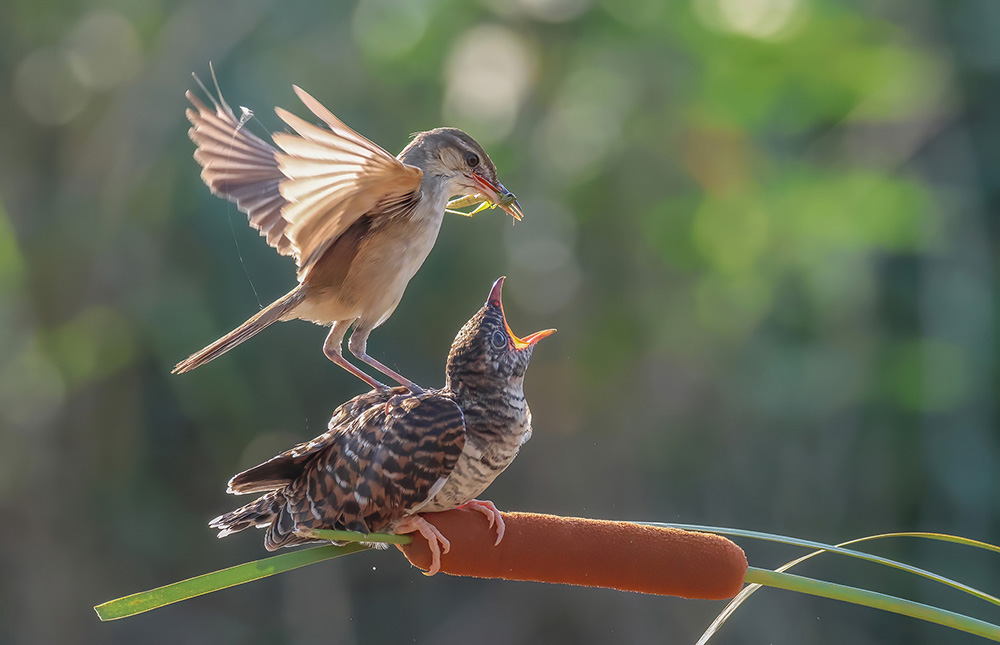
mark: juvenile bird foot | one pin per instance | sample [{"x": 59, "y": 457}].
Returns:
[
  {"x": 437, "y": 542},
  {"x": 488, "y": 509}
]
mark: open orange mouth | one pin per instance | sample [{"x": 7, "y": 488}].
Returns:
[{"x": 519, "y": 343}]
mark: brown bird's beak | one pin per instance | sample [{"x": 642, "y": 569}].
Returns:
[
  {"x": 495, "y": 195},
  {"x": 519, "y": 343}
]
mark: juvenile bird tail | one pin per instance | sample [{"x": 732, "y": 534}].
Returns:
[
  {"x": 260, "y": 512},
  {"x": 274, "y": 312},
  {"x": 267, "y": 511}
]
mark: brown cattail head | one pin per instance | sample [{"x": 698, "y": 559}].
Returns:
[{"x": 592, "y": 553}]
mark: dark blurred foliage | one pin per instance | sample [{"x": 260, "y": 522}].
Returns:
[{"x": 764, "y": 228}]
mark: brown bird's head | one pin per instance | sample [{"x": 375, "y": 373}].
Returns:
[
  {"x": 486, "y": 356},
  {"x": 452, "y": 156}
]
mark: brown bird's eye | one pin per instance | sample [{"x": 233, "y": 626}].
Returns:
[
  {"x": 472, "y": 159},
  {"x": 498, "y": 340}
]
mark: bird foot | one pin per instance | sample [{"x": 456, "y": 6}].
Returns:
[
  {"x": 488, "y": 509},
  {"x": 358, "y": 349},
  {"x": 394, "y": 406},
  {"x": 415, "y": 390},
  {"x": 412, "y": 390},
  {"x": 436, "y": 541}
]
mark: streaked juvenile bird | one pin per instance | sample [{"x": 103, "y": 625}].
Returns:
[
  {"x": 358, "y": 221},
  {"x": 389, "y": 456}
]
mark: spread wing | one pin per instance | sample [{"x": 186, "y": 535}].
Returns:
[
  {"x": 333, "y": 177},
  {"x": 305, "y": 195},
  {"x": 239, "y": 166}
]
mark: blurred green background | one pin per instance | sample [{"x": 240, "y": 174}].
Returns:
[{"x": 764, "y": 228}]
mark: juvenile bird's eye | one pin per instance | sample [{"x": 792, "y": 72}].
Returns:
[
  {"x": 498, "y": 340},
  {"x": 472, "y": 159}
]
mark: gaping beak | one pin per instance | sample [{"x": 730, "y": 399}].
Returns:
[
  {"x": 519, "y": 343},
  {"x": 498, "y": 196}
]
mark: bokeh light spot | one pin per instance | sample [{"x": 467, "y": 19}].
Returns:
[
  {"x": 586, "y": 120},
  {"x": 545, "y": 273},
  {"x": 31, "y": 389},
  {"x": 96, "y": 343},
  {"x": 104, "y": 50},
  {"x": 388, "y": 30},
  {"x": 901, "y": 83},
  {"x": 553, "y": 10},
  {"x": 731, "y": 234},
  {"x": 489, "y": 73},
  {"x": 761, "y": 19},
  {"x": 547, "y": 293},
  {"x": 47, "y": 87}
]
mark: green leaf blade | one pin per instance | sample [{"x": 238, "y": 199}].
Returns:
[
  {"x": 207, "y": 583},
  {"x": 874, "y": 599}
]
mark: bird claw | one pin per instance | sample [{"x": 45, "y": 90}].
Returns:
[
  {"x": 394, "y": 402},
  {"x": 491, "y": 512},
  {"x": 398, "y": 400},
  {"x": 436, "y": 541}
]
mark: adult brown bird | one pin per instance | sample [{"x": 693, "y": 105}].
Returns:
[
  {"x": 358, "y": 221},
  {"x": 389, "y": 455}
]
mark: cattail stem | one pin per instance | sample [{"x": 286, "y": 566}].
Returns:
[{"x": 593, "y": 553}]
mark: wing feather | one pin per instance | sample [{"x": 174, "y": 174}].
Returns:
[
  {"x": 381, "y": 467},
  {"x": 239, "y": 166},
  {"x": 305, "y": 193},
  {"x": 332, "y": 178},
  {"x": 281, "y": 470}
]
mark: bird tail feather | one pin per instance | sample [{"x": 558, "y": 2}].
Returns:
[
  {"x": 260, "y": 512},
  {"x": 276, "y": 472},
  {"x": 274, "y": 312},
  {"x": 267, "y": 511}
]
